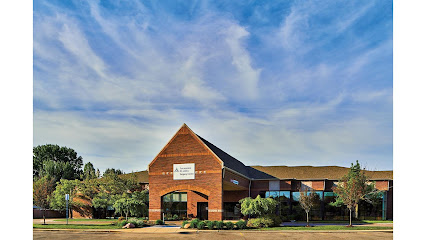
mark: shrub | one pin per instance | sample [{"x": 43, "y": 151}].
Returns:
[
  {"x": 276, "y": 220},
  {"x": 260, "y": 222},
  {"x": 210, "y": 224},
  {"x": 219, "y": 224},
  {"x": 194, "y": 223},
  {"x": 184, "y": 223},
  {"x": 133, "y": 221},
  {"x": 140, "y": 223},
  {"x": 201, "y": 225},
  {"x": 241, "y": 224},
  {"x": 229, "y": 225},
  {"x": 175, "y": 217},
  {"x": 121, "y": 223},
  {"x": 159, "y": 222}
]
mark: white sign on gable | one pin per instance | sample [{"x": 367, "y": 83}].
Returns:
[{"x": 184, "y": 171}]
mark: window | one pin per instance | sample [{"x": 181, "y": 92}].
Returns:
[{"x": 175, "y": 206}]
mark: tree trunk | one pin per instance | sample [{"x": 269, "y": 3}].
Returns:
[
  {"x": 44, "y": 216},
  {"x": 350, "y": 217},
  {"x": 307, "y": 219}
]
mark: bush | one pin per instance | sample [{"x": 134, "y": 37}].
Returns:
[
  {"x": 229, "y": 225},
  {"x": 184, "y": 223},
  {"x": 210, "y": 224},
  {"x": 194, "y": 223},
  {"x": 133, "y": 221},
  {"x": 159, "y": 222},
  {"x": 219, "y": 224},
  {"x": 241, "y": 224},
  {"x": 175, "y": 217},
  {"x": 260, "y": 222},
  {"x": 121, "y": 223},
  {"x": 201, "y": 225},
  {"x": 276, "y": 220}
]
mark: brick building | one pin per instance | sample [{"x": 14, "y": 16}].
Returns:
[{"x": 191, "y": 177}]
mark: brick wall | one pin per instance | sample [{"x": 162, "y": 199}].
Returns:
[{"x": 185, "y": 147}]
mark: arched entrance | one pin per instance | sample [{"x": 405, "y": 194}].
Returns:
[{"x": 184, "y": 201}]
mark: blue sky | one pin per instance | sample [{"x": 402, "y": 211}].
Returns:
[{"x": 270, "y": 82}]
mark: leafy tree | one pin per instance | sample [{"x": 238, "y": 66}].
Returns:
[
  {"x": 112, "y": 171},
  {"x": 307, "y": 201},
  {"x": 50, "y": 152},
  {"x": 258, "y": 207},
  {"x": 354, "y": 187},
  {"x": 89, "y": 171},
  {"x": 141, "y": 203},
  {"x": 132, "y": 204},
  {"x": 57, "y": 170},
  {"x": 42, "y": 190},
  {"x": 58, "y": 197},
  {"x": 102, "y": 200}
]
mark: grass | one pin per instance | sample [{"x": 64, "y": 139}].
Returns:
[
  {"x": 331, "y": 227},
  {"x": 84, "y": 220},
  {"x": 347, "y": 221},
  {"x": 75, "y": 226}
]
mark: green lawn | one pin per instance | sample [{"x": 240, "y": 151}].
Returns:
[
  {"x": 347, "y": 221},
  {"x": 76, "y": 226},
  {"x": 84, "y": 220},
  {"x": 331, "y": 227}
]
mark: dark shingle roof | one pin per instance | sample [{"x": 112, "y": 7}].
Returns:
[
  {"x": 228, "y": 160},
  {"x": 309, "y": 172},
  {"x": 285, "y": 172}
]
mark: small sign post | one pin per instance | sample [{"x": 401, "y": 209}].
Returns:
[{"x": 67, "y": 198}]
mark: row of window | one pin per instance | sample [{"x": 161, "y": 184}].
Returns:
[{"x": 284, "y": 196}]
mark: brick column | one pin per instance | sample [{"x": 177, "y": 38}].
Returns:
[
  {"x": 155, "y": 209},
  {"x": 216, "y": 205}
]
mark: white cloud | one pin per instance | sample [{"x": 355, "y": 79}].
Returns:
[{"x": 247, "y": 76}]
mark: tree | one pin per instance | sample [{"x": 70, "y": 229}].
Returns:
[
  {"x": 50, "y": 152},
  {"x": 57, "y": 170},
  {"x": 89, "y": 171},
  {"x": 258, "y": 207},
  {"x": 58, "y": 197},
  {"x": 140, "y": 208},
  {"x": 42, "y": 190},
  {"x": 131, "y": 204},
  {"x": 307, "y": 200},
  {"x": 354, "y": 187},
  {"x": 112, "y": 171}
]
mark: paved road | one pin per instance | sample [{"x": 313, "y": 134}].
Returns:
[{"x": 65, "y": 235}]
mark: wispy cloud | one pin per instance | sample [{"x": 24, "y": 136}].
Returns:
[{"x": 283, "y": 83}]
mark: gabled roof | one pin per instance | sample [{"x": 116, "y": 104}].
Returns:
[
  {"x": 274, "y": 172},
  {"x": 228, "y": 160}
]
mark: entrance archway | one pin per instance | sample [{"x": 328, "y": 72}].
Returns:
[{"x": 184, "y": 201}]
